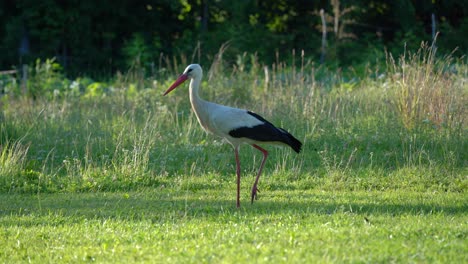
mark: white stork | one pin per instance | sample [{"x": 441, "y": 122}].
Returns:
[{"x": 235, "y": 125}]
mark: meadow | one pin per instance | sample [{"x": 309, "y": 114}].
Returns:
[{"x": 115, "y": 172}]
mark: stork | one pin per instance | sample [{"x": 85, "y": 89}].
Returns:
[{"x": 236, "y": 126}]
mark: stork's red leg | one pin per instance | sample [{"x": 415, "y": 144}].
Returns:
[
  {"x": 238, "y": 171},
  {"x": 254, "y": 187}
]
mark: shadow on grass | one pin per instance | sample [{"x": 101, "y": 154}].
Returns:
[{"x": 27, "y": 210}]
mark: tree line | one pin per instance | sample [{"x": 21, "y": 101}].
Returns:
[{"x": 102, "y": 37}]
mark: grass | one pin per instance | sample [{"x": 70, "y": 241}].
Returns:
[
  {"x": 114, "y": 172},
  {"x": 178, "y": 223}
]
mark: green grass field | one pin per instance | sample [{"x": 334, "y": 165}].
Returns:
[
  {"x": 180, "y": 224},
  {"x": 114, "y": 172}
]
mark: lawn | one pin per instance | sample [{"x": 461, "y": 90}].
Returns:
[{"x": 181, "y": 224}]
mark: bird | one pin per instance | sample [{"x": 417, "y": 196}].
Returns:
[{"x": 236, "y": 126}]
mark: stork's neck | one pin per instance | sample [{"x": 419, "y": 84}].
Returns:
[
  {"x": 194, "y": 86},
  {"x": 199, "y": 105}
]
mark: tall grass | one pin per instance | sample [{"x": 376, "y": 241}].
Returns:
[
  {"x": 361, "y": 132},
  {"x": 427, "y": 91},
  {"x": 12, "y": 163}
]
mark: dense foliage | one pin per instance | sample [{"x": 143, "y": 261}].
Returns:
[{"x": 102, "y": 37}]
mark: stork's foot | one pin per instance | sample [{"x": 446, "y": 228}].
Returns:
[{"x": 255, "y": 190}]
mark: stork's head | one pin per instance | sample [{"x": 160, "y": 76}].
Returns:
[{"x": 192, "y": 71}]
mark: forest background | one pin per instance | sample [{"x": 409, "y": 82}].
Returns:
[{"x": 100, "y": 38}]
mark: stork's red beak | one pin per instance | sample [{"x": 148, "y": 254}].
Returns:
[{"x": 182, "y": 78}]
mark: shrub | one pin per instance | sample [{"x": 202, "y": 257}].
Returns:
[{"x": 46, "y": 79}]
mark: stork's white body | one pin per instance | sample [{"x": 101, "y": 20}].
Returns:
[
  {"x": 220, "y": 120},
  {"x": 235, "y": 125}
]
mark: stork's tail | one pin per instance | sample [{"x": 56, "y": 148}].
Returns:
[{"x": 291, "y": 141}]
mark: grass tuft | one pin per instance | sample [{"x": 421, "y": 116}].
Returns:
[{"x": 428, "y": 91}]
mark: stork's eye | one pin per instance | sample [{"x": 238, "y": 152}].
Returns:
[{"x": 189, "y": 70}]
